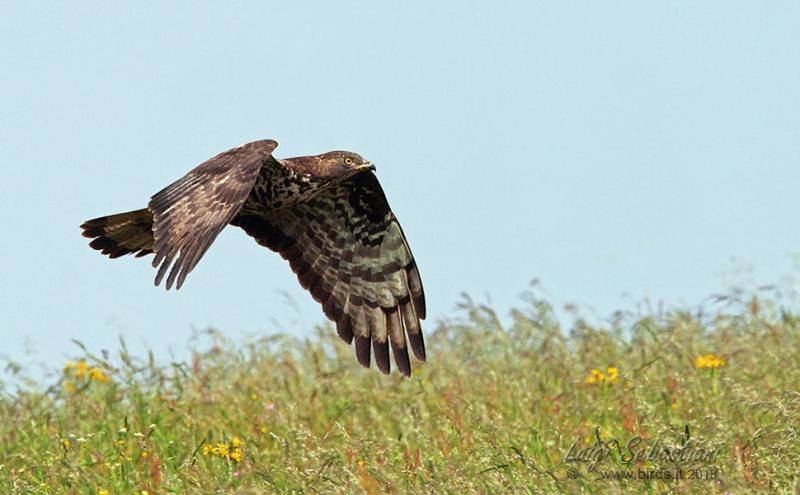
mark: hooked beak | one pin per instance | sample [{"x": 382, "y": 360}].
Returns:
[{"x": 368, "y": 166}]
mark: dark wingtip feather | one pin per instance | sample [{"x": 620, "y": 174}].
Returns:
[
  {"x": 345, "y": 329},
  {"x": 381, "y": 351},
  {"x": 162, "y": 270},
  {"x": 402, "y": 361},
  {"x": 173, "y": 274},
  {"x": 330, "y": 308},
  {"x": 417, "y": 343},
  {"x": 363, "y": 350},
  {"x": 413, "y": 329},
  {"x": 415, "y": 287},
  {"x": 394, "y": 329}
]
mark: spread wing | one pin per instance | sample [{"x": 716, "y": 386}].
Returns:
[
  {"x": 190, "y": 213},
  {"x": 348, "y": 250}
]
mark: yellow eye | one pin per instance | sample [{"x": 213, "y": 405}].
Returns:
[{"x": 348, "y": 161}]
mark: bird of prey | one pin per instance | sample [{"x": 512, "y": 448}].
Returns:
[{"x": 326, "y": 215}]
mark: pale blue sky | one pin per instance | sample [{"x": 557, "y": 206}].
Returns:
[{"x": 603, "y": 147}]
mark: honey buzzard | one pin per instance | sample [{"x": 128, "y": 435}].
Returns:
[{"x": 325, "y": 214}]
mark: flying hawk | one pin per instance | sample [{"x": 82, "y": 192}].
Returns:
[{"x": 326, "y": 214}]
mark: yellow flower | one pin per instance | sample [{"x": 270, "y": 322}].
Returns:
[
  {"x": 102, "y": 492},
  {"x": 709, "y": 361},
  {"x": 263, "y": 429},
  {"x": 236, "y": 455},
  {"x": 595, "y": 376},
  {"x": 81, "y": 369},
  {"x": 65, "y": 443},
  {"x": 69, "y": 387},
  {"x": 68, "y": 366},
  {"x": 253, "y": 396},
  {"x": 232, "y": 451},
  {"x": 97, "y": 375},
  {"x": 144, "y": 454}
]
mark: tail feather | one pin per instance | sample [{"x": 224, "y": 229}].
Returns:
[{"x": 121, "y": 234}]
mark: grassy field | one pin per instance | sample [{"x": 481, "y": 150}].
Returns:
[{"x": 709, "y": 396}]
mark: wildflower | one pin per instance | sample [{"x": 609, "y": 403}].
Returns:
[
  {"x": 595, "y": 376},
  {"x": 263, "y": 428},
  {"x": 81, "y": 368},
  {"x": 709, "y": 361},
  {"x": 236, "y": 455},
  {"x": 69, "y": 387},
  {"x": 102, "y": 492},
  {"x": 97, "y": 375},
  {"x": 270, "y": 405},
  {"x": 253, "y": 397},
  {"x": 231, "y": 451},
  {"x": 65, "y": 443}
]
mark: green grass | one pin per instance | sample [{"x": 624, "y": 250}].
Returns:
[{"x": 495, "y": 410}]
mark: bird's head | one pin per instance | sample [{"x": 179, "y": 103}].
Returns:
[
  {"x": 333, "y": 166},
  {"x": 341, "y": 164}
]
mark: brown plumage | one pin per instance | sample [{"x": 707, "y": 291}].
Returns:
[{"x": 326, "y": 215}]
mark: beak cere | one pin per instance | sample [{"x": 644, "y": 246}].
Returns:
[{"x": 368, "y": 165}]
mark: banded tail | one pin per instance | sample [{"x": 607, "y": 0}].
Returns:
[{"x": 121, "y": 234}]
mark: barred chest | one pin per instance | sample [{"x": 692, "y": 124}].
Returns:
[{"x": 280, "y": 188}]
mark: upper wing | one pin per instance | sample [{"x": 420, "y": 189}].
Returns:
[
  {"x": 349, "y": 251},
  {"x": 190, "y": 213}
]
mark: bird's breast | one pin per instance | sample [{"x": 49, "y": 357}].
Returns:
[{"x": 274, "y": 190}]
